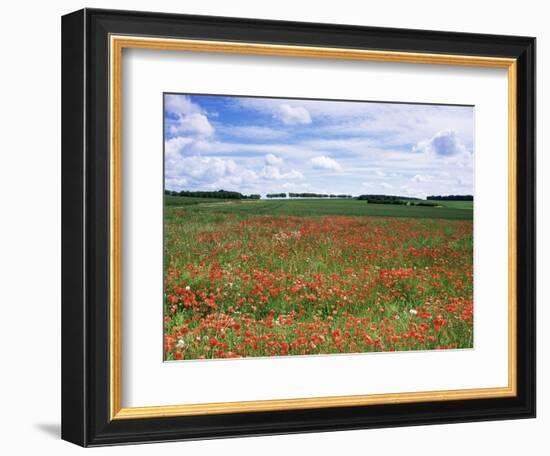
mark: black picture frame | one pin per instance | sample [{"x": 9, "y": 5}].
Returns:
[{"x": 85, "y": 228}]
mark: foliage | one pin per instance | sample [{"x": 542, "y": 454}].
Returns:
[
  {"x": 451, "y": 198},
  {"x": 220, "y": 194},
  {"x": 386, "y": 198}
]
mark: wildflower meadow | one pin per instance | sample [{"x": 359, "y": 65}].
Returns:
[{"x": 245, "y": 279}]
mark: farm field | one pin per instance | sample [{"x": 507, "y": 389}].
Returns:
[
  {"x": 178, "y": 201},
  {"x": 458, "y": 210},
  {"x": 315, "y": 276},
  {"x": 468, "y": 205}
]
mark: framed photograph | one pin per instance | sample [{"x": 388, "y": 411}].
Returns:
[{"x": 279, "y": 227}]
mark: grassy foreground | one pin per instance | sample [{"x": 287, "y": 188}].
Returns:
[{"x": 295, "y": 277}]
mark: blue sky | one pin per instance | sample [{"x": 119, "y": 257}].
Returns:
[{"x": 266, "y": 145}]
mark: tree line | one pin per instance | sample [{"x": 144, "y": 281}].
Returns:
[
  {"x": 451, "y": 198},
  {"x": 317, "y": 195},
  {"x": 386, "y": 199},
  {"x": 221, "y": 194},
  {"x": 372, "y": 198},
  {"x": 306, "y": 195},
  {"x": 392, "y": 199}
]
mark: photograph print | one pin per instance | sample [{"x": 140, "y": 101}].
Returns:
[{"x": 316, "y": 227}]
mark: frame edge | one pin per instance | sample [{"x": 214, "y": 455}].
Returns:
[
  {"x": 73, "y": 303},
  {"x": 83, "y": 419}
]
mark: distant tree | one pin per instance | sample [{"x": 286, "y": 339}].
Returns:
[
  {"x": 276, "y": 195},
  {"x": 308, "y": 195},
  {"x": 222, "y": 194},
  {"x": 423, "y": 203},
  {"x": 386, "y": 199},
  {"x": 451, "y": 197}
]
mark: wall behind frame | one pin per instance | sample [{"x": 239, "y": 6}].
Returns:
[{"x": 30, "y": 233}]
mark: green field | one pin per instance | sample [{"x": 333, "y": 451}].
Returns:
[
  {"x": 181, "y": 201},
  {"x": 315, "y": 276},
  {"x": 453, "y": 210}
]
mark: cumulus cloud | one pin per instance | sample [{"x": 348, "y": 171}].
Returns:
[
  {"x": 324, "y": 162},
  {"x": 445, "y": 144},
  {"x": 180, "y": 105},
  {"x": 291, "y": 115},
  {"x": 406, "y": 149},
  {"x": 175, "y": 145},
  {"x": 211, "y": 173},
  {"x": 273, "y": 160},
  {"x": 274, "y": 173},
  {"x": 189, "y": 118},
  {"x": 194, "y": 124},
  {"x": 272, "y": 169}
]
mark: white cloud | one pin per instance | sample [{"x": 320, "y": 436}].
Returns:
[
  {"x": 291, "y": 115},
  {"x": 377, "y": 187},
  {"x": 210, "y": 173},
  {"x": 176, "y": 183},
  {"x": 255, "y": 132},
  {"x": 293, "y": 174},
  {"x": 191, "y": 119},
  {"x": 273, "y": 160},
  {"x": 194, "y": 124},
  {"x": 399, "y": 124},
  {"x": 180, "y": 105},
  {"x": 413, "y": 191},
  {"x": 289, "y": 112},
  {"x": 324, "y": 162},
  {"x": 274, "y": 173},
  {"x": 421, "y": 149},
  {"x": 293, "y": 186},
  {"x": 174, "y": 146},
  {"x": 445, "y": 144},
  {"x": 347, "y": 143}
]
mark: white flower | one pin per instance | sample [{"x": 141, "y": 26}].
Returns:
[
  {"x": 413, "y": 311},
  {"x": 187, "y": 287},
  {"x": 180, "y": 344}
]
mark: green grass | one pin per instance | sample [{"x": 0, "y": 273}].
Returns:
[
  {"x": 468, "y": 205},
  {"x": 181, "y": 201},
  {"x": 251, "y": 278},
  {"x": 452, "y": 210}
]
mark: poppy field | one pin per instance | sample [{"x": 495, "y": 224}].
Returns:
[{"x": 249, "y": 279}]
